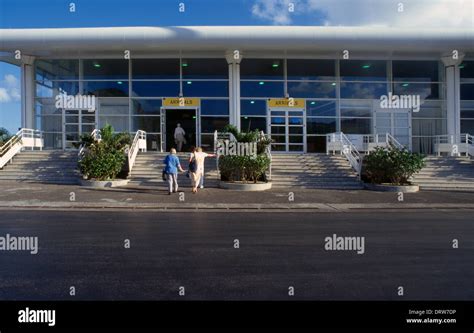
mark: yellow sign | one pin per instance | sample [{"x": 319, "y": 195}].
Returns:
[
  {"x": 298, "y": 103},
  {"x": 180, "y": 101}
]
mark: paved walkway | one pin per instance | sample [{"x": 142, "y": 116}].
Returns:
[{"x": 27, "y": 195}]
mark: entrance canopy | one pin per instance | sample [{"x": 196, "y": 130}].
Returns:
[{"x": 146, "y": 40}]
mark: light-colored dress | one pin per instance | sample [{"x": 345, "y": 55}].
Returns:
[{"x": 196, "y": 176}]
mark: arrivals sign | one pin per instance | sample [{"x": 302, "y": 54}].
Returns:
[
  {"x": 297, "y": 103},
  {"x": 180, "y": 101}
]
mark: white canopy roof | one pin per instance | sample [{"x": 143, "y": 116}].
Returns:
[{"x": 53, "y": 42}]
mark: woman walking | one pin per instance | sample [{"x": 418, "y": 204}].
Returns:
[
  {"x": 170, "y": 171},
  {"x": 196, "y": 167}
]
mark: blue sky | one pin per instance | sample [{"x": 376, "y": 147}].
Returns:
[{"x": 97, "y": 13}]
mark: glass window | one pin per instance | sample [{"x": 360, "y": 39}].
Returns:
[
  {"x": 56, "y": 87},
  {"x": 320, "y": 125},
  {"x": 467, "y": 71},
  {"x": 261, "y": 69},
  {"x": 205, "y": 88},
  {"x": 355, "y": 125},
  {"x": 321, "y": 108},
  {"x": 248, "y": 124},
  {"x": 253, "y": 107},
  {"x": 106, "y": 88},
  {"x": 211, "y": 124},
  {"x": 308, "y": 69},
  {"x": 149, "y": 124},
  {"x": 316, "y": 144},
  {"x": 49, "y": 123},
  {"x": 214, "y": 107},
  {"x": 113, "y": 106},
  {"x": 467, "y": 109},
  {"x": 53, "y": 140},
  {"x": 209, "y": 69},
  {"x": 261, "y": 89},
  {"x": 146, "y": 106},
  {"x": 428, "y": 127},
  {"x": 155, "y": 88},
  {"x": 467, "y": 91},
  {"x": 363, "y": 70},
  {"x": 105, "y": 69},
  {"x": 304, "y": 89},
  {"x": 430, "y": 109},
  {"x": 153, "y": 69},
  {"x": 425, "y": 90},
  {"x": 119, "y": 123},
  {"x": 418, "y": 71},
  {"x": 467, "y": 126},
  {"x": 361, "y": 90},
  {"x": 46, "y": 106},
  {"x": 47, "y": 70}
]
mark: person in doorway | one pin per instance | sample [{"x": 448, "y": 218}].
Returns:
[
  {"x": 196, "y": 162},
  {"x": 170, "y": 170},
  {"x": 179, "y": 137}
]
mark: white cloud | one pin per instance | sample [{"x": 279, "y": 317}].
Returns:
[
  {"x": 4, "y": 96},
  {"x": 10, "y": 89},
  {"x": 276, "y": 11},
  {"x": 11, "y": 80},
  {"x": 416, "y": 13}
]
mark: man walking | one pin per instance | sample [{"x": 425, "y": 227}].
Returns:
[{"x": 179, "y": 137}]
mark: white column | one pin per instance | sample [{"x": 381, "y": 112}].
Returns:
[
  {"x": 27, "y": 92},
  {"x": 234, "y": 88},
  {"x": 453, "y": 97}
]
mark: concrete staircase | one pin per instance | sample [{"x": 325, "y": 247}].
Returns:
[
  {"x": 47, "y": 166},
  {"x": 148, "y": 167},
  {"x": 313, "y": 171},
  {"x": 446, "y": 173}
]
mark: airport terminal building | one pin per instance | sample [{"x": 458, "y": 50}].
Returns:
[{"x": 298, "y": 84}]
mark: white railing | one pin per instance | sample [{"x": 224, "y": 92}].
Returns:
[
  {"x": 138, "y": 144},
  {"x": 340, "y": 142},
  {"x": 454, "y": 146},
  {"x": 370, "y": 141},
  {"x": 24, "y": 138},
  {"x": 82, "y": 149}
]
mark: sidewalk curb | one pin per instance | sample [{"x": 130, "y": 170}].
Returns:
[{"x": 321, "y": 207}]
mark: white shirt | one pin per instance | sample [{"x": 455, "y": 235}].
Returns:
[
  {"x": 200, "y": 160},
  {"x": 179, "y": 133}
]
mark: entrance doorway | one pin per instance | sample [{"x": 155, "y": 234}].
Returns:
[
  {"x": 395, "y": 122},
  {"x": 287, "y": 130},
  {"x": 187, "y": 117},
  {"x": 76, "y": 123}
]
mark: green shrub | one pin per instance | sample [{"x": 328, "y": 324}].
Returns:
[
  {"x": 243, "y": 168},
  {"x": 104, "y": 159},
  {"x": 391, "y": 165}
]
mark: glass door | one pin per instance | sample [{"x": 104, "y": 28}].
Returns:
[
  {"x": 76, "y": 123},
  {"x": 397, "y": 123},
  {"x": 287, "y": 130}
]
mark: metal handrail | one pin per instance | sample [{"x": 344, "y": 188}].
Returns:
[
  {"x": 348, "y": 150},
  {"x": 82, "y": 148},
  {"x": 134, "y": 148},
  {"x": 24, "y": 138},
  {"x": 446, "y": 143},
  {"x": 394, "y": 142}
]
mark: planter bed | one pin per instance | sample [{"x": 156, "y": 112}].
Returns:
[
  {"x": 241, "y": 186},
  {"x": 392, "y": 188}
]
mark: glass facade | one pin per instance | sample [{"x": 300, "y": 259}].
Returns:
[
  {"x": 338, "y": 95},
  {"x": 467, "y": 97}
]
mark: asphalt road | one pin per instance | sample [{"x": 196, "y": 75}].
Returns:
[{"x": 194, "y": 250}]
